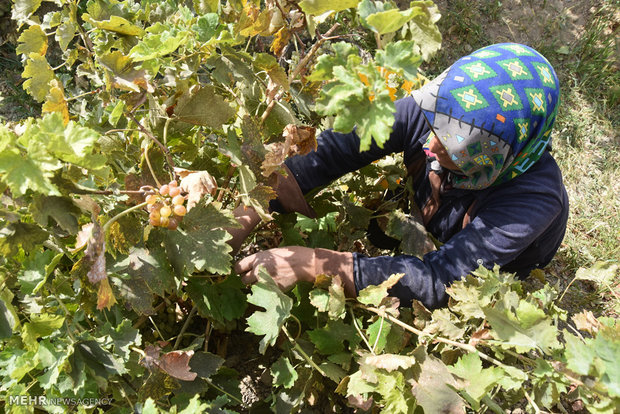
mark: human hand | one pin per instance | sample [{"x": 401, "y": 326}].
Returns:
[
  {"x": 248, "y": 218},
  {"x": 289, "y": 265},
  {"x": 286, "y": 265}
]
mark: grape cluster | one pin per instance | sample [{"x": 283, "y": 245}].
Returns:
[{"x": 166, "y": 207}]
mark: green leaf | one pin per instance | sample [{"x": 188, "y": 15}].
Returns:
[
  {"x": 202, "y": 246},
  {"x": 207, "y": 26},
  {"x": 53, "y": 359},
  {"x": 423, "y": 28},
  {"x": 60, "y": 209},
  {"x": 123, "y": 337},
  {"x": 205, "y": 364},
  {"x": 38, "y": 74},
  {"x": 26, "y": 235},
  {"x": 355, "y": 104},
  {"x": 121, "y": 72},
  {"x": 529, "y": 329},
  {"x": 601, "y": 272},
  {"x": 221, "y": 301},
  {"x": 23, "y": 9},
  {"x": 324, "y": 67},
  {"x": 390, "y": 20},
  {"x": 317, "y": 7},
  {"x": 7, "y": 320},
  {"x": 206, "y": 6},
  {"x": 400, "y": 57},
  {"x": 159, "y": 42},
  {"x": 579, "y": 354},
  {"x": 330, "y": 339},
  {"x": 204, "y": 106},
  {"x": 40, "y": 326},
  {"x": 320, "y": 299},
  {"x": 266, "y": 294},
  {"x": 32, "y": 40},
  {"x": 102, "y": 362},
  {"x": 34, "y": 274},
  {"x": 378, "y": 333},
  {"x": 479, "y": 381},
  {"x": 21, "y": 173},
  {"x": 434, "y": 385},
  {"x": 149, "y": 266},
  {"x": 66, "y": 32},
  {"x": 374, "y": 294},
  {"x": 115, "y": 24},
  {"x": 283, "y": 373}
]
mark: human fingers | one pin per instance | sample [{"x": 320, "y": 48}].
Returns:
[
  {"x": 245, "y": 265},
  {"x": 249, "y": 277}
]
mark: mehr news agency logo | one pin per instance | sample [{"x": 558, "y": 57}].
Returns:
[{"x": 41, "y": 400}]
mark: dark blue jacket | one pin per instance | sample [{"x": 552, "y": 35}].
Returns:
[{"x": 518, "y": 225}]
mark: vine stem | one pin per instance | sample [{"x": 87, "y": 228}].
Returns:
[
  {"x": 359, "y": 331},
  {"x": 185, "y": 326},
  {"x": 466, "y": 347},
  {"x": 306, "y": 59},
  {"x": 378, "y": 335},
  {"x": 303, "y": 353},
  {"x": 148, "y": 163},
  {"x": 237, "y": 400},
  {"x": 106, "y": 226},
  {"x": 149, "y": 134}
]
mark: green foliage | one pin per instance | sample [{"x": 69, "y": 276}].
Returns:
[{"x": 96, "y": 302}]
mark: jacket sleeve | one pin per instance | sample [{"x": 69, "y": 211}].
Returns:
[
  {"x": 338, "y": 154},
  {"x": 497, "y": 235}
]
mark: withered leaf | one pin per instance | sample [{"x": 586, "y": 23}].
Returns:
[{"x": 196, "y": 184}]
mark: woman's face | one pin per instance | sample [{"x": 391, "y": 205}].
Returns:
[{"x": 442, "y": 155}]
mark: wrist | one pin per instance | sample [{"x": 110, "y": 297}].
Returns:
[{"x": 335, "y": 263}]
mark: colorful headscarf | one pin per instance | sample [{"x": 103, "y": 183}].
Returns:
[{"x": 493, "y": 111}]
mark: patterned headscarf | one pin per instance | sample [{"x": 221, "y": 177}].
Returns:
[{"x": 493, "y": 111}]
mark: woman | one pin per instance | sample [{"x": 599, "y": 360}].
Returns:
[{"x": 476, "y": 143}]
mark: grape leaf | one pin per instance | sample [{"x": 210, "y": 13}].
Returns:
[
  {"x": 433, "y": 388},
  {"x": 23, "y": 9},
  {"x": 38, "y": 74},
  {"x": 388, "y": 21},
  {"x": 204, "y": 106},
  {"x": 221, "y": 301},
  {"x": 7, "y": 320},
  {"x": 330, "y": 338},
  {"x": 374, "y": 295},
  {"x": 378, "y": 333},
  {"x": 122, "y": 74},
  {"x": 56, "y": 101},
  {"x": 207, "y": 26},
  {"x": 115, "y": 24},
  {"x": 160, "y": 41},
  {"x": 399, "y": 57},
  {"x": 122, "y": 336},
  {"x": 324, "y": 67},
  {"x": 40, "y": 326},
  {"x": 355, "y": 104},
  {"x": 283, "y": 373},
  {"x": 317, "y": 7},
  {"x": 266, "y": 294},
  {"x": 148, "y": 265},
  {"x": 21, "y": 173},
  {"x": 32, "y": 40},
  {"x": 206, "y": 6},
  {"x": 26, "y": 235},
  {"x": 34, "y": 273},
  {"x": 105, "y": 296},
  {"x": 202, "y": 245},
  {"x": 479, "y": 381},
  {"x": 423, "y": 28},
  {"x": 66, "y": 32},
  {"x": 60, "y": 209},
  {"x": 528, "y": 329}
]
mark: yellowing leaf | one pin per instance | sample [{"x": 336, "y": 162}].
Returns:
[
  {"x": 389, "y": 362},
  {"x": 280, "y": 40},
  {"x": 32, "y": 40},
  {"x": 105, "y": 296},
  {"x": 38, "y": 74},
  {"x": 253, "y": 21},
  {"x": 317, "y": 7},
  {"x": 23, "y": 9},
  {"x": 160, "y": 41},
  {"x": 122, "y": 74},
  {"x": 56, "y": 101},
  {"x": 374, "y": 295},
  {"x": 115, "y": 24},
  {"x": 204, "y": 106}
]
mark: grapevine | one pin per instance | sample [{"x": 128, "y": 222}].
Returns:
[{"x": 157, "y": 120}]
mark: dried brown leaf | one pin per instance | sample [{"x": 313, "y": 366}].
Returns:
[
  {"x": 586, "y": 321},
  {"x": 95, "y": 254},
  {"x": 174, "y": 363},
  {"x": 82, "y": 237},
  {"x": 196, "y": 184},
  {"x": 105, "y": 296},
  {"x": 390, "y": 362}
]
